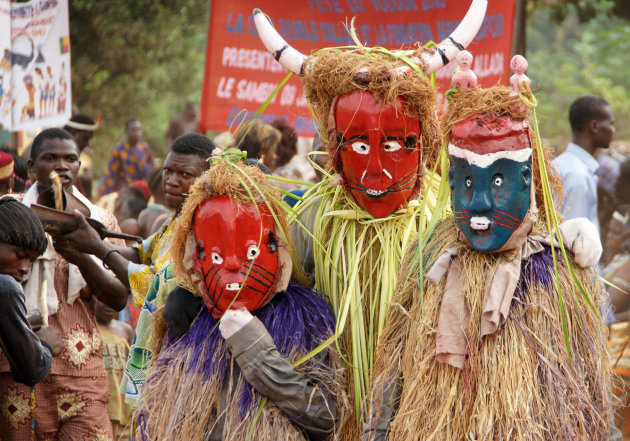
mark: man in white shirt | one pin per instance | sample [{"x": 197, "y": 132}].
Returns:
[{"x": 592, "y": 126}]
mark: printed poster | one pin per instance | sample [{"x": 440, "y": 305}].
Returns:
[
  {"x": 240, "y": 74},
  {"x": 35, "y": 65}
]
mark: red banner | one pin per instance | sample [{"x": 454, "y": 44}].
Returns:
[{"x": 240, "y": 74}]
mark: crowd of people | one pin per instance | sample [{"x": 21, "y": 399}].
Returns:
[
  {"x": 209, "y": 297},
  {"x": 90, "y": 299}
]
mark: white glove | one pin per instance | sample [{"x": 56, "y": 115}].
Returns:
[
  {"x": 233, "y": 320},
  {"x": 581, "y": 237}
]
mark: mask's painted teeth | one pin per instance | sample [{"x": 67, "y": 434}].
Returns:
[
  {"x": 233, "y": 286},
  {"x": 479, "y": 223},
  {"x": 371, "y": 192}
]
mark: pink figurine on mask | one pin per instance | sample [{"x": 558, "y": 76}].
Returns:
[
  {"x": 464, "y": 78},
  {"x": 518, "y": 66}
]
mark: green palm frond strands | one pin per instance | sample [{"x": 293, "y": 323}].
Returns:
[{"x": 356, "y": 265}]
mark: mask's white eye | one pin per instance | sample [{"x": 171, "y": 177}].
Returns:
[
  {"x": 468, "y": 182},
  {"x": 392, "y": 146},
  {"x": 216, "y": 259},
  {"x": 252, "y": 252},
  {"x": 498, "y": 180},
  {"x": 361, "y": 148}
]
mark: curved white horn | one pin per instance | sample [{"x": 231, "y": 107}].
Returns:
[
  {"x": 459, "y": 39},
  {"x": 276, "y": 45}
]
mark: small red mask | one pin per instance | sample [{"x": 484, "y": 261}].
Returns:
[
  {"x": 379, "y": 151},
  {"x": 233, "y": 240}
]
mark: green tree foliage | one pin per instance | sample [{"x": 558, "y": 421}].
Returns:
[
  {"x": 570, "y": 55},
  {"x": 136, "y": 58},
  {"x": 584, "y": 10}
]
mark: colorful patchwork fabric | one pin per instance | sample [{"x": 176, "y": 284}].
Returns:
[
  {"x": 153, "y": 255},
  {"x": 140, "y": 353},
  {"x": 128, "y": 164}
]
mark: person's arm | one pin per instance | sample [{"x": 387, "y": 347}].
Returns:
[
  {"x": 619, "y": 299},
  {"x": 85, "y": 239},
  {"x": 107, "y": 288},
  {"x": 305, "y": 403},
  {"x": 30, "y": 358},
  {"x": 180, "y": 310}
]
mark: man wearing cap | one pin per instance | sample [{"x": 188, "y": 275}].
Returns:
[
  {"x": 6, "y": 173},
  {"x": 82, "y": 128}
]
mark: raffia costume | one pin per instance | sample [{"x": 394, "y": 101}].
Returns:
[
  {"x": 203, "y": 386},
  {"x": 355, "y": 226},
  {"x": 459, "y": 362}
]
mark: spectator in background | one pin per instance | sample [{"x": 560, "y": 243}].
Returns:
[
  {"x": 318, "y": 159},
  {"x": 148, "y": 219},
  {"x": 20, "y": 174},
  {"x": 609, "y": 195},
  {"x": 131, "y": 160},
  {"x": 286, "y": 149},
  {"x": 116, "y": 337},
  {"x": 592, "y": 127},
  {"x": 182, "y": 124},
  {"x": 224, "y": 140},
  {"x": 619, "y": 225},
  {"x": 136, "y": 267},
  {"x": 6, "y": 173},
  {"x": 20, "y": 170},
  {"x": 259, "y": 141},
  {"x": 71, "y": 403},
  {"x": 82, "y": 128},
  {"x": 128, "y": 216},
  {"x": 617, "y": 271}
]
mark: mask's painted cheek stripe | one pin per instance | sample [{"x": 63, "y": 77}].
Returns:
[
  {"x": 214, "y": 295},
  {"x": 509, "y": 215},
  {"x": 503, "y": 222},
  {"x": 213, "y": 276},
  {"x": 256, "y": 270},
  {"x": 485, "y": 160},
  {"x": 511, "y": 227},
  {"x": 249, "y": 276},
  {"x": 255, "y": 290},
  {"x": 272, "y": 275},
  {"x": 507, "y": 219}
]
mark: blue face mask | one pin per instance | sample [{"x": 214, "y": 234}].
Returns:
[{"x": 489, "y": 203}]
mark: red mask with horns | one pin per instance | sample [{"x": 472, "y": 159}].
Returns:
[{"x": 379, "y": 151}]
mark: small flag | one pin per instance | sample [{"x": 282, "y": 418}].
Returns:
[{"x": 64, "y": 44}]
